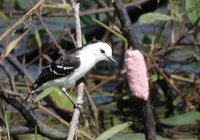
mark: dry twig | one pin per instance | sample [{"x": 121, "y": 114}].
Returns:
[
  {"x": 10, "y": 77},
  {"x": 94, "y": 109},
  {"x": 85, "y": 13},
  {"x": 30, "y": 118},
  {"x": 51, "y": 36},
  {"x": 76, "y": 114},
  {"x": 21, "y": 20}
]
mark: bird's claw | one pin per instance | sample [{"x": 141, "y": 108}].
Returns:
[{"x": 77, "y": 106}]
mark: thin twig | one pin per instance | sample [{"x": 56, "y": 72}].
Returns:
[
  {"x": 86, "y": 13},
  {"x": 63, "y": 121},
  {"x": 168, "y": 80},
  {"x": 104, "y": 5},
  {"x": 183, "y": 79},
  {"x": 76, "y": 114},
  {"x": 30, "y": 118},
  {"x": 21, "y": 20},
  {"x": 78, "y": 24},
  {"x": 10, "y": 76},
  {"x": 51, "y": 36},
  {"x": 94, "y": 109},
  {"x": 80, "y": 87},
  {"x": 19, "y": 67}
]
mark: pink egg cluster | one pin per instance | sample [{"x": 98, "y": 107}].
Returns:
[{"x": 137, "y": 74}]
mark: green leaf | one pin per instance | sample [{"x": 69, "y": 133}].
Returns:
[
  {"x": 126, "y": 97},
  {"x": 178, "y": 100},
  {"x": 17, "y": 6},
  {"x": 134, "y": 136},
  {"x": 4, "y": 18},
  {"x": 152, "y": 17},
  {"x": 31, "y": 137},
  {"x": 155, "y": 77},
  {"x": 86, "y": 20},
  {"x": 192, "y": 8},
  {"x": 46, "y": 92},
  {"x": 36, "y": 135},
  {"x": 62, "y": 101},
  {"x": 112, "y": 131},
  {"x": 38, "y": 38},
  {"x": 7, "y": 127},
  {"x": 183, "y": 119}
]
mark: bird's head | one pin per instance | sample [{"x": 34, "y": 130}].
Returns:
[{"x": 103, "y": 51}]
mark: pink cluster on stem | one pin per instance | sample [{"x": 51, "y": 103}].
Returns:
[{"x": 137, "y": 74}]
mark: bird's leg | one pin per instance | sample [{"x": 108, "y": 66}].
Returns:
[
  {"x": 29, "y": 95},
  {"x": 82, "y": 79},
  {"x": 75, "y": 105}
]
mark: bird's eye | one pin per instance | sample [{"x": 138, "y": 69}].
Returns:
[{"x": 102, "y": 51}]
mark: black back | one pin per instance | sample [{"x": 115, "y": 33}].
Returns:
[{"x": 62, "y": 67}]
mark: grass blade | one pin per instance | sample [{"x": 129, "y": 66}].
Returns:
[
  {"x": 36, "y": 135},
  {"x": 112, "y": 131},
  {"x": 11, "y": 46},
  {"x": 112, "y": 31},
  {"x": 46, "y": 92},
  {"x": 6, "y": 122},
  {"x": 38, "y": 38},
  {"x": 4, "y": 18}
]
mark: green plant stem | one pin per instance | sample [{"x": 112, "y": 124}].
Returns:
[
  {"x": 112, "y": 31},
  {"x": 7, "y": 127}
]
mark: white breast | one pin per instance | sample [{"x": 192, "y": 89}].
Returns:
[{"x": 87, "y": 62}]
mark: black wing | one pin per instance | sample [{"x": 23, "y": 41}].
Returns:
[{"x": 64, "y": 66}]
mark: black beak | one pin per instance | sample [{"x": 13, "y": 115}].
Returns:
[{"x": 112, "y": 59}]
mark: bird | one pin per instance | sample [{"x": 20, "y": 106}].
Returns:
[{"x": 73, "y": 65}]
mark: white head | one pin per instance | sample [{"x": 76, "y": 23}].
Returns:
[{"x": 102, "y": 51}]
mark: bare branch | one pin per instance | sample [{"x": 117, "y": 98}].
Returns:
[
  {"x": 78, "y": 25},
  {"x": 80, "y": 86},
  {"x": 10, "y": 76},
  {"x": 30, "y": 118},
  {"x": 149, "y": 123},
  {"x": 76, "y": 114}
]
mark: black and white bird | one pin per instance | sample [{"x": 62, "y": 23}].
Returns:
[{"x": 72, "y": 66}]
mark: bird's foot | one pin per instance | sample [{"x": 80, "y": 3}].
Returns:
[
  {"x": 77, "y": 106},
  {"x": 28, "y": 96}
]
